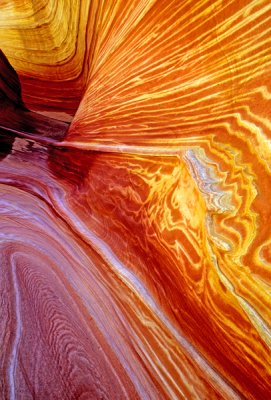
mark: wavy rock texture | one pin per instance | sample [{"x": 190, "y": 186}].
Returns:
[
  {"x": 49, "y": 43},
  {"x": 135, "y": 240}
]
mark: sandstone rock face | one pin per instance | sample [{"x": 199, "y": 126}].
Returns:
[{"x": 135, "y": 206}]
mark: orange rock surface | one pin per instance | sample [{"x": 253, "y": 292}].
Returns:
[{"x": 135, "y": 199}]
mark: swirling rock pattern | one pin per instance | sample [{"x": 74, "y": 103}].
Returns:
[{"x": 135, "y": 242}]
